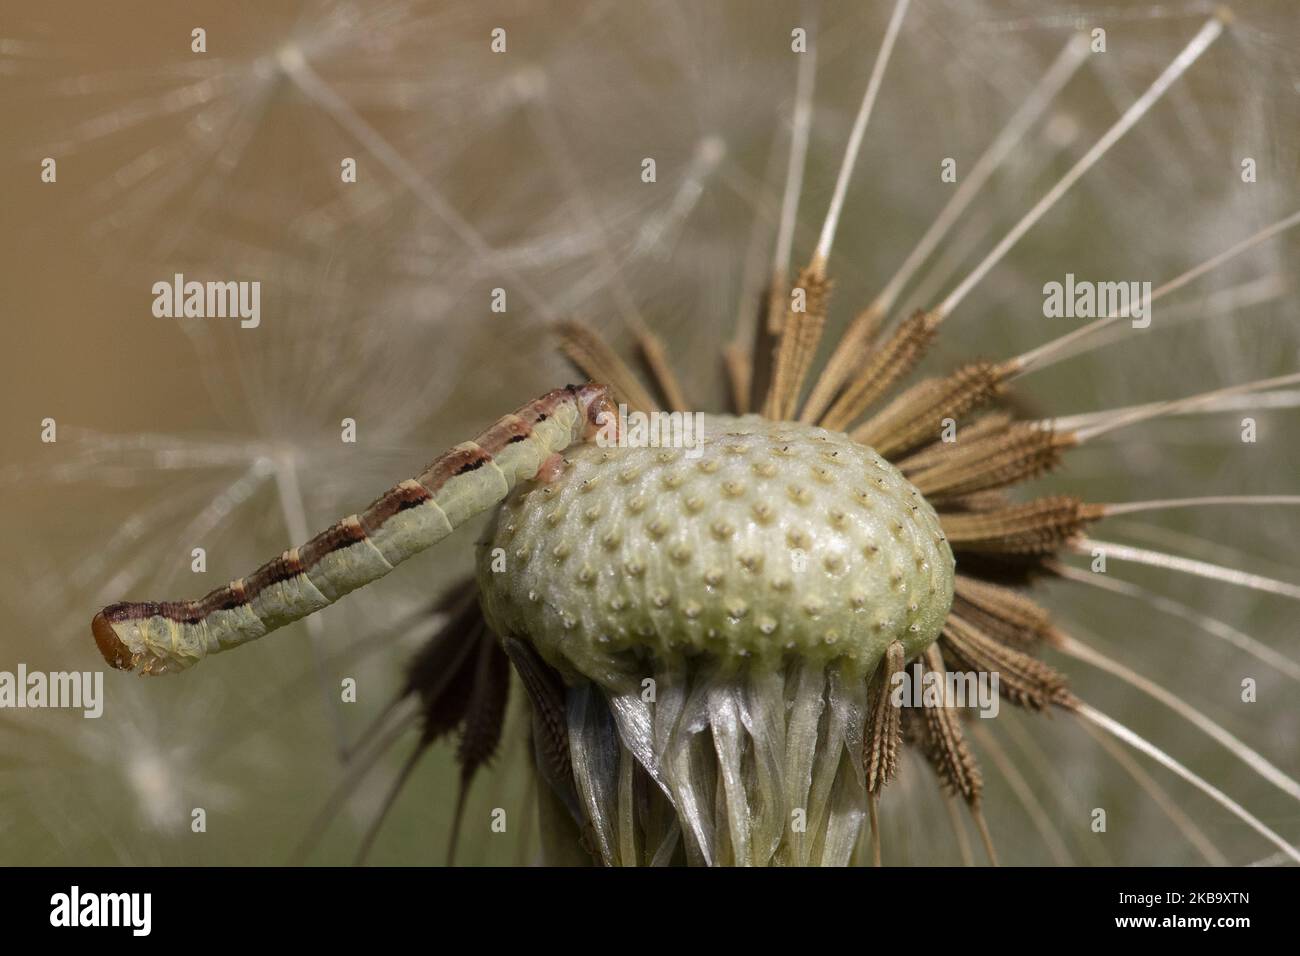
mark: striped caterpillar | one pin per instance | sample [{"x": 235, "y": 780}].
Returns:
[{"x": 164, "y": 637}]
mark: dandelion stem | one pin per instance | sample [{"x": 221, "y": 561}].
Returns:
[
  {"x": 1181, "y": 63},
  {"x": 458, "y": 818},
  {"x": 842, "y": 360},
  {"x": 1160, "y": 504},
  {"x": 355, "y": 773},
  {"x": 1281, "y": 398},
  {"x": 827, "y": 237},
  {"x": 1159, "y": 796},
  {"x": 1252, "y": 758},
  {"x": 1118, "y": 730},
  {"x": 1274, "y": 859},
  {"x": 1202, "y": 569},
  {"x": 1033, "y": 807},
  {"x": 801, "y": 125},
  {"x": 1048, "y": 772},
  {"x": 709, "y": 153},
  {"x": 555, "y": 143},
  {"x": 293, "y": 61},
  {"x": 1045, "y": 355},
  {"x": 1210, "y": 625},
  {"x": 1122, "y": 418},
  {"x": 959, "y": 830},
  {"x": 749, "y": 365},
  {"x": 1212, "y": 307},
  {"x": 390, "y": 798},
  {"x": 873, "y": 809},
  {"x": 977, "y": 814},
  {"x": 1064, "y": 67}
]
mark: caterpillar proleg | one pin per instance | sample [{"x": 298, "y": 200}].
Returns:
[{"x": 163, "y": 637}]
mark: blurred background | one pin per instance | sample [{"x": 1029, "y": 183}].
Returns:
[{"x": 522, "y": 170}]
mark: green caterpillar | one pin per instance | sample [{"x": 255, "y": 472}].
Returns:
[{"x": 163, "y": 637}]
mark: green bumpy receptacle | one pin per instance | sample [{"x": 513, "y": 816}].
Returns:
[{"x": 769, "y": 540}]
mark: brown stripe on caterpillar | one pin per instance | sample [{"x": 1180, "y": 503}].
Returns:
[
  {"x": 404, "y": 521},
  {"x": 341, "y": 534},
  {"x": 507, "y": 430},
  {"x": 518, "y": 426},
  {"x": 331, "y": 571},
  {"x": 287, "y": 565},
  {"x": 592, "y": 400},
  {"x": 408, "y": 494},
  {"x": 183, "y": 612},
  {"x": 592, "y": 403},
  {"x": 223, "y": 598},
  {"x": 464, "y": 458}
]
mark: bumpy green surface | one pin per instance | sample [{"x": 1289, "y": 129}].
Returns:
[{"x": 778, "y": 539}]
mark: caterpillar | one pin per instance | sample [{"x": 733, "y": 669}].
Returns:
[{"x": 164, "y": 637}]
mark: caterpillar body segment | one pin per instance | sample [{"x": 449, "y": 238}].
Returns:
[{"x": 163, "y": 637}]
